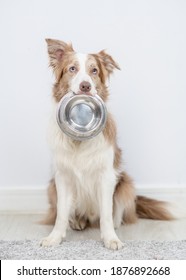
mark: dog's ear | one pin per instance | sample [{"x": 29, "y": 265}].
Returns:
[
  {"x": 108, "y": 62},
  {"x": 56, "y": 51}
]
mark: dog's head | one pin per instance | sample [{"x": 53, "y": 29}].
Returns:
[{"x": 80, "y": 73}]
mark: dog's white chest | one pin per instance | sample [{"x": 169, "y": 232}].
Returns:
[
  {"x": 84, "y": 157},
  {"x": 83, "y": 164}
]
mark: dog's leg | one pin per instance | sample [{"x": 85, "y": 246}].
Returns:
[
  {"x": 64, "y": 201},
  {"x": 106, "y": 190}
]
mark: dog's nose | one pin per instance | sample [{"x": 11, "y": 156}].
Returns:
[{"x": 85, "y": 87}]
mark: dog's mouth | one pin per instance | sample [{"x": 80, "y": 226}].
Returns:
[{"x": 85, "y": 93}]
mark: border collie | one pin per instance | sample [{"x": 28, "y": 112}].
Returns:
[{"x": 89, "y": 186}]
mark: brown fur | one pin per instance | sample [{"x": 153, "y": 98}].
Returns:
[
  {"x": 110, "y": 130},
  {"x": 57, "y": 50},
  {"x": 108, "y": 62},
  {"x": 148, "y": 208}
]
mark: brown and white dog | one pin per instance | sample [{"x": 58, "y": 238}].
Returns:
[{"x": 89, "y": 185}]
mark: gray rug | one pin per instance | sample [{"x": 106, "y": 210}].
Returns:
[{"x": 133, "y": 250}]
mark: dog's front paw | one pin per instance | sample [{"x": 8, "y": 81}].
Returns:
[
  {"x": 113, "y": 244},
  {"x": 50, "y": 241}
]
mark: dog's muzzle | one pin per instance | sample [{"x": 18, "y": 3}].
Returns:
[{"x": 81, "y": 116}]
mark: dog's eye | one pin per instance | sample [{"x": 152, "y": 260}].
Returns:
[
  {"x": 94, "y": 71},
  {"x": 72, "y": 69}
]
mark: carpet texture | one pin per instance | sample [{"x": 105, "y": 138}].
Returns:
[{"x": 132, "y": 250}]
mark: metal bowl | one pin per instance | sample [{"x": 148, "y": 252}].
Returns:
[{"x": 81, "y": 116}]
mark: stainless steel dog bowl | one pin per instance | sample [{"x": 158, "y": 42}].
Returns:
[{"x": 81, "y": 116}]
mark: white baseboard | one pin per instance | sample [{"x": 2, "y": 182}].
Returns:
[{"x": 34, "y": 200}]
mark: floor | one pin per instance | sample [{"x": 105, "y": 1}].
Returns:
[{"x": 21, "y": 227}]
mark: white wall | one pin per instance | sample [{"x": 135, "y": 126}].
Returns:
[{"x": 148, "y": 97}]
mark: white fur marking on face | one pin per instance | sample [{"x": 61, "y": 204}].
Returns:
[{"x": 82, "y": 75}]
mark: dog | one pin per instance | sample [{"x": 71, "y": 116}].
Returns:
[{"x": 89, "y": 186}]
